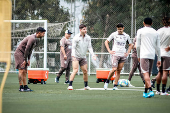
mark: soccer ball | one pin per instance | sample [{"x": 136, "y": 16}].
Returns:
[{"x": 123, "y": 83}]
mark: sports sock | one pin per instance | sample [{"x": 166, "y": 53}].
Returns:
[
  {"x": 158, "y": 87},
  {"x": 85, "y": 83},
  {"x": 107, "y": 81},
  {"x": 115, "y": 85},
  {"x": 146, "y": 89},
  {"x": 163, "y": 88},
  {"x": 70, "y": 83},
  {"x": 21, "y": 86},
  {"x": 150, "y": 88}
]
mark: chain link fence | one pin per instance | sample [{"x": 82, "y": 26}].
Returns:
[{"x": 100, "y": 17}]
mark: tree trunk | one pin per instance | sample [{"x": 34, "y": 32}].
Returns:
[{"x": 103, "y": 45}]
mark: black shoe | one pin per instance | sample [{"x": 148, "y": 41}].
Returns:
[
  {"x": 66, "y": 82},
  {"x": 27, "y": 89},
  {"x": 168, "y": 90},
  {"x": 21, "y": 89},
  {"x": 153, "y": 83},
  {"x": 57, "y": 79}
]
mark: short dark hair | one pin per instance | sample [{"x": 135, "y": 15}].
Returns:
[
  {"x": 148, "y": 21},
  {"x": 166, "y": 21},
  {"x": 40, "y": 29},
  {"x": 119, "y": 25},
  {"x": 82, "y": 26}
]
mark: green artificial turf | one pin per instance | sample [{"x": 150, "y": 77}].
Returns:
[{"x": 55, "y": 98}]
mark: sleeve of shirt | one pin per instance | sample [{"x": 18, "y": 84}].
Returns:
[
  {"x": 28, "y": 48},
  {"x": 110, "y": 37},
  {"x": 73, "y": 47},
  {"x": 128, "y": 39},
  {"x": 138, "y": 43},
  {"x": 90, "y": 48},
  {"x": 158, "y": 48},
  {"x": 62, "y": 42}
]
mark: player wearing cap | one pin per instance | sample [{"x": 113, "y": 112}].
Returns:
[
  {"x": 118, "y": 53},
  {"x": 65, "y": 57},
  {"x": 80, "y": 44},
  {"x": 164, "y": 34},
  {"x": 23, "y": 54},
  {"x": 147, "y": 43}
]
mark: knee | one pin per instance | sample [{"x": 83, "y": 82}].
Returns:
[
  {"x": 113, "y": 70},
  {"x": 21, "y": 72},
  {"x": 85, "y": 71},
  {"x": 119, "y": 70},
  {"x": 75, "y": 70}
]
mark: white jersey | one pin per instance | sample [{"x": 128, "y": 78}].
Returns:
[
  {"x": 164, "y": 34},
  {"x": 148, "y": 43},
  {"x": 80, "y": 46},
  {"x": 119, "y": 42}
]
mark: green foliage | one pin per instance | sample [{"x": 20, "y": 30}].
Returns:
[{"x": 40, "y": 9}]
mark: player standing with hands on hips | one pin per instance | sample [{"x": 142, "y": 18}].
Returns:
[
  {"x": 148, "y": 43},
  {"x": 80, "y": 44},
  {"x": 118, "y": 53}
]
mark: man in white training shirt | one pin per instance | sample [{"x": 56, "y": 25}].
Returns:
[
  {"x": 80, "y": 44},
  {"x": 148, "y": 43},
  {"x": 118, "y": 53},
  {"x": 164, "y": 34}
]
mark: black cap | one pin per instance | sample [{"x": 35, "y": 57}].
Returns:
[
  {"x": 41, "y": 29},
  {"x": 68, "y": 32}
]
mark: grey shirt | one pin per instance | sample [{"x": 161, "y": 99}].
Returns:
[{"x": 80, "y": 46}]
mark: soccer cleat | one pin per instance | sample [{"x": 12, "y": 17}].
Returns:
[
  {"x": 87, "y": 88},
  {"x": 21, "y": 89},
  {"x": 151, "y": 93},
  {"x": 66, "y": 82},
  {"x": 164, "y": 93},
  {"x": 146, "y": 95},
  {"x": 130, "y": 85},
  {"x": 168, "y": 89},
  {"x": 70, "y": 88},
  {"x": 27, "y": 89},
  {"x": 115, "y": 88},
  {"x": 105, "y": 85},
  {"x": 57, "y": 79},
  {"x": 157, "y": 92}
]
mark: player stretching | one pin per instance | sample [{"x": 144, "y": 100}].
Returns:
[
  {"x": 65, "y": 57},
  {"x": 80, "y": 44},
  {"x": 23, "y": 54},
  {"x": 164, "y": 34},
  {"x": 147, "y": 43},
  {"x": 118, "y": 53}
]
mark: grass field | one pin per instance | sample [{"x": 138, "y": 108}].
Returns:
[{"x": 55, "y": 98}]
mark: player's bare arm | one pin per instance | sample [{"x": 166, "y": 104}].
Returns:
[
  {"x": 63, "y": 51},
  {"x": 107, "y": 47},
  {"x": 129, "y": 49},
  {"x": 167, "y": 49}
]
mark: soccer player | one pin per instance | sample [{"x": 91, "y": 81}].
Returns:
[
  {"x": 118, "y": 53},
  {"x": 164, "y": 34},
  {"x": 65, "y": 57},
  {"x": 136, "y": 64},
  {"x": 80, "y": 44},
  {"x": 147, "y": 43},
  {"x": 23, "y": 54}
]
